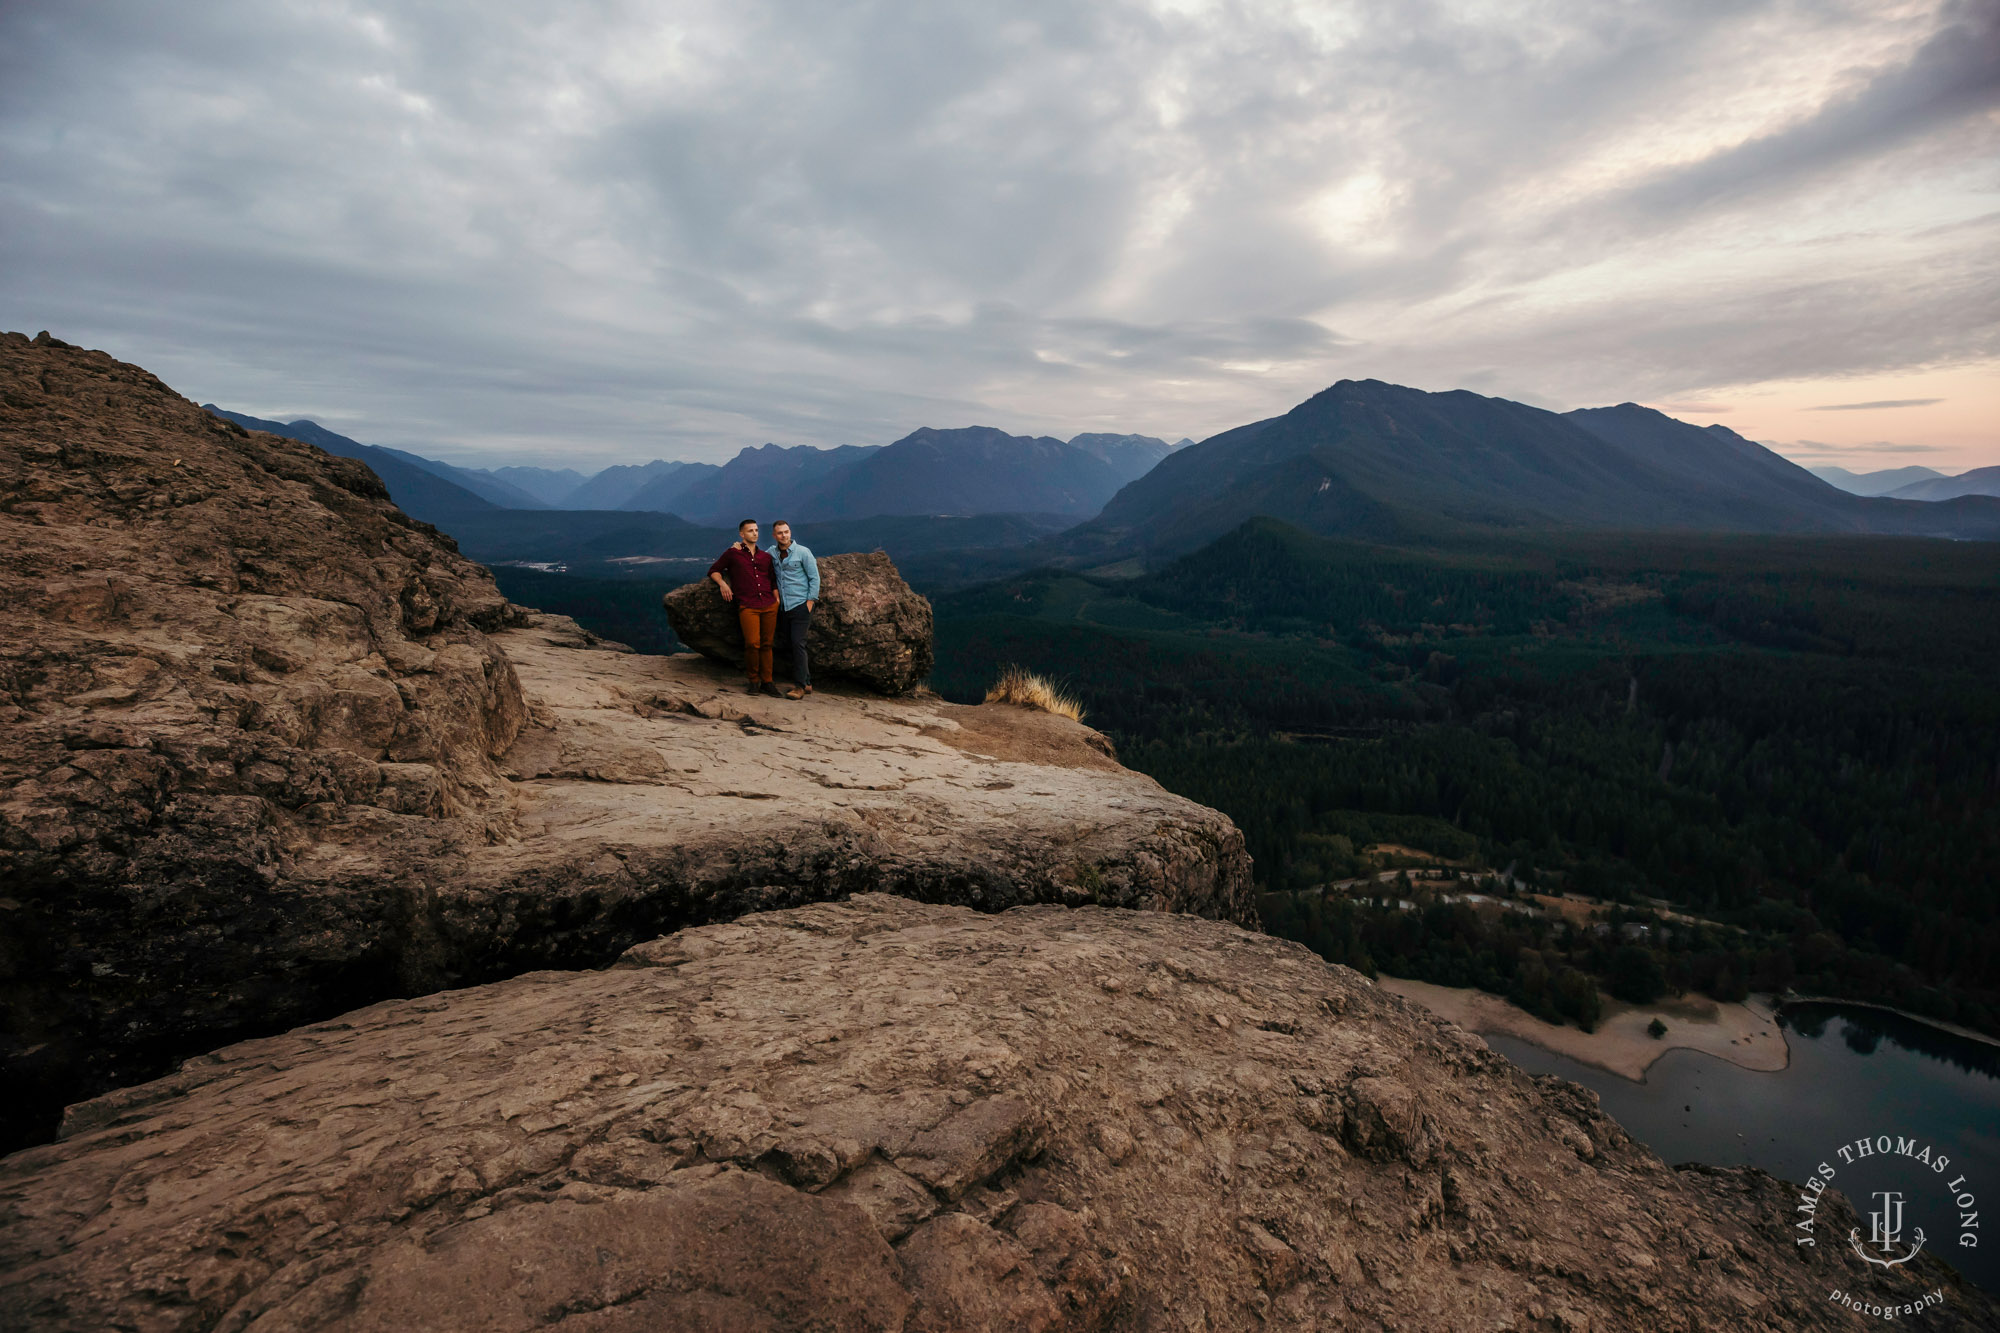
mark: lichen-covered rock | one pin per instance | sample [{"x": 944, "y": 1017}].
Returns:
[
  {"x": 887, "y": 1115},
  {"x": 869, "y": 625}
]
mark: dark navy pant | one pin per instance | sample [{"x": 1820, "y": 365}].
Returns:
[{"x": 793, "y": 627}]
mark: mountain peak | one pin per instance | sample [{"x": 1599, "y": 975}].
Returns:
[{"x": 1387, "y": 462}]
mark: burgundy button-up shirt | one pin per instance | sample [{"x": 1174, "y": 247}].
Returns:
[{"x": 750, "y": 576}]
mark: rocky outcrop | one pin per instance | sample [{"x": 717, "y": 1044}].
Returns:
[
  {"x": 650, "y": 792},
  {"x": 215, "y": 649},
  {"x": 270, "y": 750},
  {"x": 886, "y": 1115},
  {"x": 869, "y": 626}
]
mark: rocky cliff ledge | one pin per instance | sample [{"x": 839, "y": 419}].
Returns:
[
  {"x": 269, "y": 749},
  {"x": 657, "y": 792},
  {"x": 887, "y": 1115}
]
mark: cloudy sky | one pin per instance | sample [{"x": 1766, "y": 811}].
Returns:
[{"x": 596, "y": 231}]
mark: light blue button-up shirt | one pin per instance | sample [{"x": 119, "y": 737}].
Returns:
[{"x": 798, "y": 575}]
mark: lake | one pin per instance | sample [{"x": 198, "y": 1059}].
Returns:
[{"x": 1853, "y": 1072}]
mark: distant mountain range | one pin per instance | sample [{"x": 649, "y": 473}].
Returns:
[
  {"x": 494, "y": 532},
  {"x": 974, "y": 489},
  {"x": 1914, "y": 483},
  {"x": 765, "y": 483},
  {"x": 422, "y": 487},
  {"x": 614, "y": 487},
  {"x": 552, "y": 486},
  {"x": 1979, "y": 481},
  {"x": 1873, "y": 483},
  {"x": 1381, "y": 462},
  {"x": 1362, "y": 459},
  {"x": 503, "y": 488},
  {"x": 1132, "y": 456},
  {"x": 970, "y": 471}
]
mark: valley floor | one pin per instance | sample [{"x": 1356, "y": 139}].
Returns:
[{"x": 1743, "y": 1034}]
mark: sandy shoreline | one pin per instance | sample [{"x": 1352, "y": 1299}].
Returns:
[{"x": 1743, "y": 1034}]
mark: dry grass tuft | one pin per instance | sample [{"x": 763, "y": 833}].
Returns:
[{"x": 1018, "y": 686}]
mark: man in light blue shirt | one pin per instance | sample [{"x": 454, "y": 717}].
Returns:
[{"x": 798, "y": 592}]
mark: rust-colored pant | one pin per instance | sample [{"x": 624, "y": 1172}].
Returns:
[{"x": 760, "y": 630}]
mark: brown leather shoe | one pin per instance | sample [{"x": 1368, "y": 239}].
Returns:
[
  {"x": 771, "y": 689},
  {"x": 753, "y": 688},
  {"x": 795, "y": 693}
]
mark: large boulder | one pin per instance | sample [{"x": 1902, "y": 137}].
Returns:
[
  {"x": 886, "y": 1115},
  {"x": 869, "y": 626}
]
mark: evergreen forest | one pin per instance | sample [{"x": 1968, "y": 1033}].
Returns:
[{"x": 1778, "y": 756}]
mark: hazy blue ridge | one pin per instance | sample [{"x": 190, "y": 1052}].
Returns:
[
  {"x": 484, "y": 485},
  {"x": 552, "y": 486},
  {"x": 1874, "y": 483},
  {"x": 1130, "y": 456},
  {"x": 969, "y": 470},
  {"x": 763, "y": 482},
  {"x": 617, "y": 487},
  {"x": 1979, "y": 481},
  {"x": 417, "y": 491}
]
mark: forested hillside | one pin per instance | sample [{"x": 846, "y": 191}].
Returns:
[{"x": 1798, "y": 738}]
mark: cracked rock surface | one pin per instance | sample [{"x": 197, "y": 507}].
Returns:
[
  {"x": 269, "y": 749},
  {"x": 883, "y": 1114},
  {"x": 653, "y": 785}
]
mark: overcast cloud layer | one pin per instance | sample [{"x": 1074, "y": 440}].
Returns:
[{"x": 600, "y": 232}]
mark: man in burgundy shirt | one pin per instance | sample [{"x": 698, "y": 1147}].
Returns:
[{"x": 745, "y": 576}]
